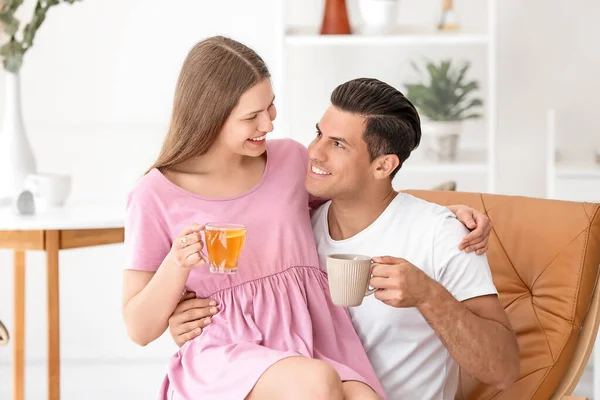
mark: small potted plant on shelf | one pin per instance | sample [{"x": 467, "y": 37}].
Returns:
[{"x": 444, "y": 99}]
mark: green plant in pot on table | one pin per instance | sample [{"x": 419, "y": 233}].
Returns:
[{"x": 445, "y": 98}]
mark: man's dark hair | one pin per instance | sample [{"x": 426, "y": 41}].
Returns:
[{"x": 393, "y": 125}]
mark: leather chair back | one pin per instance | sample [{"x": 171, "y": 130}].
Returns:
[{"x": 544, "y": 256}]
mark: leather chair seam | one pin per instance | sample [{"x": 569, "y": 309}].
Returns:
[
  {"x": 528, "y": 294},
  {"x": 542, "y": 329},
  {"x": 500, "y": 243},
  {"x": 558, "y": 255}
]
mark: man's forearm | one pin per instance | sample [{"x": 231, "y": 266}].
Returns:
[{"x": 483, "y": 348}]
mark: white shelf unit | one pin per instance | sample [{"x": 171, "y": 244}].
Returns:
[
  {"x": 575, "y": 171},
  {"x": 293, "y": 38},
  {"x": 446, "y": 167},
  {"x": 468, "y": 161},
  {"x": 574, "y": 180},
  {"x": 299, "y": 43}
]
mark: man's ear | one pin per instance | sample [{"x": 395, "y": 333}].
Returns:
[{"x": 385, "y": 165}]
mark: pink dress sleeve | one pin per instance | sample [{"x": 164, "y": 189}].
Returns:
[
  {"x": 313, "y": 201},
  {"x": 147, "y": 241}
]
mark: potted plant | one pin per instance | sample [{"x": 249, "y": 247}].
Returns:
[
  {"x": 16, "y": 157},
  {"x": 445, "y": 98}
]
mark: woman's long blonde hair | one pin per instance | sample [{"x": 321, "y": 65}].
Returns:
[{"x": 215, "y": 74}]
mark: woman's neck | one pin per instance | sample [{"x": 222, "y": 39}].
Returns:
[
  {"x": 218, "y": 174},
  {"x": 217, "y": 162}
]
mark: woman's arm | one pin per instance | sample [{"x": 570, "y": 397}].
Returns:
[{"x": 149, "y": 298}]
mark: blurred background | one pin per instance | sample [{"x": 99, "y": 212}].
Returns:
[{"x": 96, "y": 90}]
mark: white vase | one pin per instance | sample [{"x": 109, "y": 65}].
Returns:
[
  {"x": 443, "y": 138},
  {"x": 16, "y": 157},
  {"x": 379, "y": 16}
]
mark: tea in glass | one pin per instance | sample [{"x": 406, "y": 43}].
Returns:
[{"x": 224, "y": 244}]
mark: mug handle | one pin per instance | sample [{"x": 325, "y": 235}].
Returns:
[
  {"x": 370, "y": 290},
  {"x": 34, "y": 184}
]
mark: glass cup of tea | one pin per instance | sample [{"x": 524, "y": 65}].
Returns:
[{"x": 224, "y": 244}]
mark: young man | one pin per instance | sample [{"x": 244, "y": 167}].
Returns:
[{"x": 436, "y": 309}]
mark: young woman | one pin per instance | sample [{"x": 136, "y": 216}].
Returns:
[{"x": 277, "y": 334}]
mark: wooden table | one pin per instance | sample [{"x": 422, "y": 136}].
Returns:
[{"x": 70, "y": 227}]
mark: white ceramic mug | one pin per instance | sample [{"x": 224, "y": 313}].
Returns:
[
  {"x": 49, "y": 190},
  {"x": 348, "y": 276}
]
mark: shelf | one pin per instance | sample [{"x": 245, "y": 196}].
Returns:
[
  {"x": 468, "y": 160},
  {"x": 427, "y": 167},
  {"x": 581, "y": 170},
  {"x": 404, "y": 36}
]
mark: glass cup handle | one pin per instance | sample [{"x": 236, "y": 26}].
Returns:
[
  {"x": 203, "y": 256},
  {"x": 202, "y": 253}
]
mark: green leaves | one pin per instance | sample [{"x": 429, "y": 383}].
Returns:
[
  {"x": 10, "y": 24},
  {"x": 10, "y": 6},
  {"x": 13, "y": 50},
  {"x": 445, "y": 97},
  {"x": 39, "y": 15}
]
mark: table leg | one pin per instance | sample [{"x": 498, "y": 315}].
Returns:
[
  {"x": 18, "y": 335},
  {"x": 596, "y": 375},
  {"x": 52, "y": 243}
]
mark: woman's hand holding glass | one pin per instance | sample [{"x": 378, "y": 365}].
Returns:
[{"x": 186, "y": 250}]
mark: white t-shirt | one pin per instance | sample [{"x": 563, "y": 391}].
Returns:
[{"x": 408, "y": 357}]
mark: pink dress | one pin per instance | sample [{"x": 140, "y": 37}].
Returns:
[{"x": 277, "y": 305}]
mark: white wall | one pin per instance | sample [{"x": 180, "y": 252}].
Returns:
[
  {"x": 548, "y": 57},
  {"x": 97, "y": 90}
]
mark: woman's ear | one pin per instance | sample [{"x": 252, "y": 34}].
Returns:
[{"x": 385, "y": 165}]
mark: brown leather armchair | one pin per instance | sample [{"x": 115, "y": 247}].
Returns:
[{"x": 544, "y": 256}]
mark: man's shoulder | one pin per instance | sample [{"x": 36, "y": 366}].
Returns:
[{"x": 420, "y": 211}]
